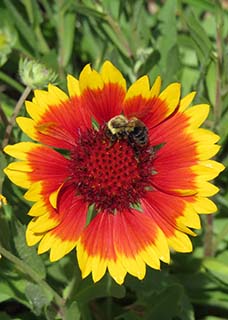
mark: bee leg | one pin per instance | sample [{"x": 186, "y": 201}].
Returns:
[{"x": 112, "y": 141}]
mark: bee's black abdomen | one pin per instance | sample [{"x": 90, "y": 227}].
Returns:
[{"x": 139, "y": 135}]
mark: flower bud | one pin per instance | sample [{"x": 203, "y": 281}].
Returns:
[{"x": 35, "y": 75}]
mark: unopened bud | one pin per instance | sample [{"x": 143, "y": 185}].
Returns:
[{"x": 35, "y": 75}]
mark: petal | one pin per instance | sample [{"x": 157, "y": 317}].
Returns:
[
  {"x": 60, "y": 228},
  {"x": 34, "y": 110},
  {"x": 156, "y": 87},
  {"x": 73, "y": 86},
  {"x": 136, "y": 99},
  {"x": 124, "y": 242},
  {"x": 45, "y": 222},
  {"x": 18, "y": 174},
  {"x": 166, "y": 209},
  {"x": 31, "y": 237},
  {"x": 96, "y": 252},
  {"x": 178, "y": 163},
  {"x": 139, "y": 241},
  {"x": 102, "y": 93},
  {"x": 204, "y": 205},
  {"x": 48, "y": 165},
  {"x": 197, "y": 114},
  {"x": 186, "y": 101},
  {"x": 140, "y": 88},
  {"x": 28, "y": 126},
  {"x": 90, "y": 79},
  {"x": 180, "y": 242},
  {"x": 35, "y": 192},
  {"x": 176, "y": 181},
  {"x": 171, "y": 95},
  {"x": 110, "y": 74},
  {"x": 57, "y": 118},
  {"x": 20, "y": 150},
  {"x": 144, "y": 104},
  {"x": 42, "y": 164},
  {"x": 38, "y": 209}
]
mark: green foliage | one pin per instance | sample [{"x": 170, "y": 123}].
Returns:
[{"x": 181, "y": 40}]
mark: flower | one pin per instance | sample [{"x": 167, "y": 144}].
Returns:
[{"x": 121, "y": 194}]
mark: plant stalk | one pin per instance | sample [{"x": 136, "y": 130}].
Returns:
[
  {"x": 208, "y": 244},
  {"x": 12, "y": 120}
]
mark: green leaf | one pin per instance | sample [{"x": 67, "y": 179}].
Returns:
[
  {"x": 173, "y": 61},
  {"x": 148, "y": 62},
  {"x": 37, "y": 297},
  {"x": 114, "y": 34},
  {"x": 5, "y": 235},
  {"x": 186, "y": 311},
  {"x": 22, "y": 26},
  {"x": 5, "y": 316},
  {"x": 88, "y": 290},
  {"x": 215, "y": 299},
  {"x": 113, "y": 7},
  {"x": 212, "y": 318},
  {"x": 165, "y": 305},
  {"x": 68, "y": 42},
  {"x": 91, "y": 45},
  {"x": 218, "y": 269},
  {"x": 12, "y": 287},
  {"x": 33, "y": 11},
  {"x": 223, "y": 257},
  {"x": 168, "y": 28},
  {"x": 10, "y": 82},
  {"x": 35, "y": 19},
  {"x": 73, "y": 312},
  {"x": 50, "y": 312},
  {"x": 83, "y": 9},
  {"x": 208, "y": 5},
  {"x": 222, "y": 125},
  {"x": 27, "y": 254},
  {"x": 211, "y": 82},
  {"x": 202, "y": 43},
  {"x": 130, "y": 315}
]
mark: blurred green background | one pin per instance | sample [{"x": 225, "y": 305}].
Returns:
[{"x": 181, "y": 40}]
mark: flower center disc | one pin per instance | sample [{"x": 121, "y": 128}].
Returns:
[{"x": 110, "y": 175}]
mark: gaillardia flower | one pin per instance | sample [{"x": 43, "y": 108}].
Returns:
[{"x": 119, "y": 174}]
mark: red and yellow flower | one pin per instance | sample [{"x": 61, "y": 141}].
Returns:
[{"x": 121, "y": 205}]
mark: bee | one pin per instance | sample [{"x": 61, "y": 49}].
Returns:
[{"x": 134, "y": 130}]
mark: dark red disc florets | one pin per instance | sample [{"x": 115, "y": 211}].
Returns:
[{"x": 112, "y": 176}]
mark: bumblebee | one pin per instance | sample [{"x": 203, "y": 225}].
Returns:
[{"x": 133, "y": 130}]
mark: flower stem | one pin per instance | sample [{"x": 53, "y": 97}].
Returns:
[
  {"x": 60, "y": 33},
  {"x": 217, "y": 107},
  {"x": 16, "y": 111},
  {"x": 208, "y": 239},
  {"x": 209, "y": 245},
  {"x": 23, "y": 267},
  {"x": 3, "y": 117},
  {"x": 116, "y": 28}
]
